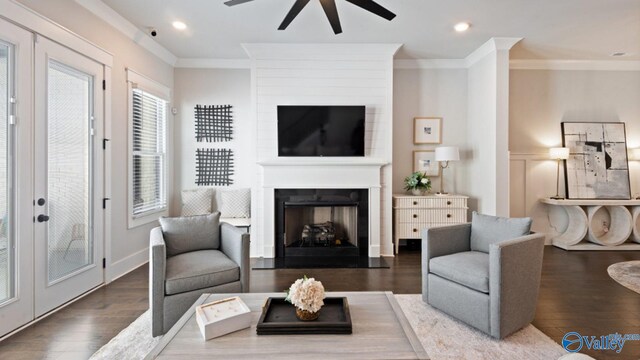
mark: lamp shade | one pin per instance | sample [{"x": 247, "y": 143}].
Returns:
[
  {"x": 447, "y": 153},
  {"x": 559, "y": 153}
]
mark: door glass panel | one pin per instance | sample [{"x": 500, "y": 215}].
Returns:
[
  {"x": 7, "y": 275},
  {"x": 69, "y": 175}
]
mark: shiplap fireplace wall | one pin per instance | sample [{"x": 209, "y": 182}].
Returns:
[{"x": 322, "y": 74}]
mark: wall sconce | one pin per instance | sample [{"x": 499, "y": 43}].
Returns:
[{"x": 558, "y": 153}]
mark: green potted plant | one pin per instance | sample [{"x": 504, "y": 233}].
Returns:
[{"x": 417, "y": 183}]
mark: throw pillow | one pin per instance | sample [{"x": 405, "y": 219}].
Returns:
[
  {"x": 191, "y": 233},
  {"x": 196, "y": 202},
  {"x": 487, "y": 230},
  {"x": 235, "y": 203}
]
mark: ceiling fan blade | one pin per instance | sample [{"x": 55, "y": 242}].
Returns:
[
  {"x": 331, "y": 11},
  {"x": 295, "y": 10},
  {"x": 374, "y": 7},
  {"x": 236, "y": 2}
]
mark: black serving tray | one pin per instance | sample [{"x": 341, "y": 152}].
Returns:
[{"x": 279, "y": 318}]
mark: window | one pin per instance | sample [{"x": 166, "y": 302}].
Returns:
[{"x": 148, "y": 151}]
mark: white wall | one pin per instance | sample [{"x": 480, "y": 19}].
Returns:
[
  {"x": 129, "y": 246},
  {"x": 212, "y": 87},
  {"x": 429, "y": 93},
  {"x": 539, "y": 101}
]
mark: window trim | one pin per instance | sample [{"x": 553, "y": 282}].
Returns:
[{"x": 138, "y": 81}]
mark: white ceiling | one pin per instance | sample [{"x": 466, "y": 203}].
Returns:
[{"x": 552, "y": 29}]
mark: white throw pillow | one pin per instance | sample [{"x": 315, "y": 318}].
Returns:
[
  {"x": 235, "y": 203},
  {"x": 196, "y": 202}
]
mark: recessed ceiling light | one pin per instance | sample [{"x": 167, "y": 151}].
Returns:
[
  {"x": 618, "y": 54},
  {"x": 179, "y": 25},
  {"x": 462, "y": 27}
]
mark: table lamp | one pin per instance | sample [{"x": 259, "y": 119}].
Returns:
[
  {"x": 444, "y": 154},
  {"x": 558, "y": 153}
]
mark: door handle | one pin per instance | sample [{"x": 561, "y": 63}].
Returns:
[{"x": 42, "y": 218}]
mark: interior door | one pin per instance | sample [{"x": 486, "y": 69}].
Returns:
[
  {"x": 68, "y": 164},
  {"x": 16, "y": 226}
]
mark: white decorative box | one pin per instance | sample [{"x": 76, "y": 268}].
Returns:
[{"x": 222, "y": 317}]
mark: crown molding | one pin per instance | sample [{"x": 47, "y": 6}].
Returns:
[
  {"x": 265, "y": 51},
  {"x": 588, "y": 65},
  {"x": 204, "y": 63},
  {"x": 429, "y": 64},
  {"x": 111, "y": 17}
]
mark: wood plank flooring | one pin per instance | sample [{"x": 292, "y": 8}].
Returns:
[{"x": 576, "y": 295}]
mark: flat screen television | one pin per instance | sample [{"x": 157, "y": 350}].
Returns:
[{"x": 320, "y": 130}]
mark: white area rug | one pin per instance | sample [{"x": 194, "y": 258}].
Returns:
[
  {"x": 626, "y": 274},
  {"x": 445, "y": 338},
  {"x": 134, "y": 342},
  {"x": 442, "y": 337}
]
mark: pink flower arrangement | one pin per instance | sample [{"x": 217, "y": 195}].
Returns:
[{"x": 306, "y": 294}]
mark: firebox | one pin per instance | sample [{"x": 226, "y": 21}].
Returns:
[{"x": 321, "y": 222}]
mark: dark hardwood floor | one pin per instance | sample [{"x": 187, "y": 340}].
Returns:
[{"x": 576, "y": 295}]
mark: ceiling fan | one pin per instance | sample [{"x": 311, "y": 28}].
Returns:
[{"x": 329, "y": 7}]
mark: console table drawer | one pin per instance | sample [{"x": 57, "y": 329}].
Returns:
[
  {"x": 431, "y": 215},
  {"x": 422, "y": 202}
]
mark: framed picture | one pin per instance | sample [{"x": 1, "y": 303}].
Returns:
[
  {"x": 425, "y": 161},
  {"x": 427, "y": 130},
  {"x": 597, "y": 167}
]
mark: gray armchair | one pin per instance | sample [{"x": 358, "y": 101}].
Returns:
[
  {"x": 192, "y": 256},
  {"x": 485, "y": 273}
]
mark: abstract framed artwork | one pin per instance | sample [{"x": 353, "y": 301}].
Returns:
[
  {"x": 425, "y": 161},
  {"x": 427, "y": 130},
  {"x": 597, "y": 167}
]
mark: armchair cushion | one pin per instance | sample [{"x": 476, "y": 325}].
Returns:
[
  {"x": 487, "y": 230},
  {"x": 469, "y": 268},
  {"x": 191, "y": 233},
  {"x": 198, "y": 270}
]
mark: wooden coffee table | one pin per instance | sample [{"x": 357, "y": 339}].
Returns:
[{"x": 380, "y": 331}]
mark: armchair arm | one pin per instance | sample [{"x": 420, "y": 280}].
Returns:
[
  {"x": 442, "y": 241},
  {"x": 514, "y": 280},
  {"x": 235, "y": 244},
  {"x": 157, "y": 271}
]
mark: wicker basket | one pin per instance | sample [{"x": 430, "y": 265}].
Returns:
[{"x": 305, "y": 315}]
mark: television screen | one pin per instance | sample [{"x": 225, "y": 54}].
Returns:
[{"x": 321, "y": 130}]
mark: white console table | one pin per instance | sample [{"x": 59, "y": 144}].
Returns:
[{"x": 595, "y": 224}]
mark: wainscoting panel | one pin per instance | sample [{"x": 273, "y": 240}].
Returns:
[{"x": 532, "y": 177}]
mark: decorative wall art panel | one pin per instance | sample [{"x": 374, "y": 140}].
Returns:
[
  {"x": 214, "y": 123},
  {"x": 597, "y": 167},
  {"x": 214, "y": 167}
]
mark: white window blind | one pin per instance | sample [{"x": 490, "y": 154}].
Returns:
[{"x": 149, "y": 153}]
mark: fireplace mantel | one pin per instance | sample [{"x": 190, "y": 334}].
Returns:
[
  {"x": 324, "y": 161},
  {"x": 321, "y": 173}
]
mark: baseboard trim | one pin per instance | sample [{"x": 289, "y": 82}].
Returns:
[{"x": 122, "y": 267}]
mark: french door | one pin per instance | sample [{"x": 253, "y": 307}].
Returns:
[
  {"x": 68, "y": 161},
  {"x": 16, "y": 186},
  {"x": 51, "y": 175}
]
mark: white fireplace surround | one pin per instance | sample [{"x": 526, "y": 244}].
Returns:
[
  {"x": 321, "y": 173},
  {"x": 322, "y": 74}
]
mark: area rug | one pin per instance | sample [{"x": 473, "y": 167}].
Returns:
[
  {"x": 442, "y": 337},
  {"x": 626, "y": 274}
]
